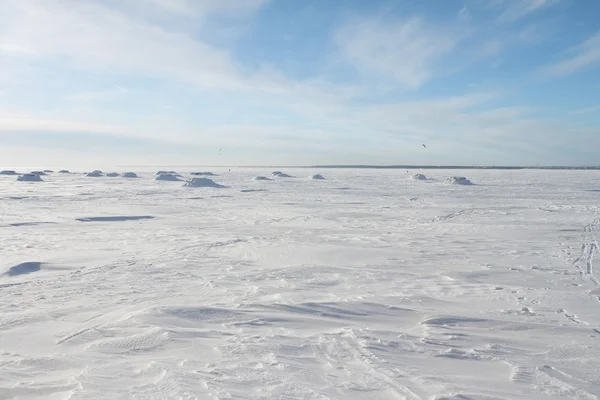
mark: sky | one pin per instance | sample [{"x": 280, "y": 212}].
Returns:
[{"x": 299, "y": 82}]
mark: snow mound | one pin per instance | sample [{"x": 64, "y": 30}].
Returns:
[
  {"x": 64, "y": 171},
  {"x": 8, "y": 172},
  {"x": 281, "y": 174},
  {"x": 203, "y": 174},
  {"x": 457, "y": 180},
  {"x": 418, "y": 177},
  {"x": 95, "y": 174},
  {"x": 29, "y": 178},
  {"x": 48, "y": 171},
  {"x": 317, "y": 176},
  {"x": 40, "y": 173},
  {"x": 261, "y": 178},
  {"x": 112, "y": 175},
  {"x": 167, "y": 177},
  {"x": 203, "y": 182},
  {"x": 167, "y": 173},
  {"x": 129, "y": 175}
]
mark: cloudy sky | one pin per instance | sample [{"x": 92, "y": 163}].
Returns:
[{"x": 296, "y": 82}]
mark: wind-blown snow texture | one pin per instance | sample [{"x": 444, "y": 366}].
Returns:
[{"x": 372, "y": 287}]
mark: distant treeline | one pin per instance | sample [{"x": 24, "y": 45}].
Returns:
[{"x": 451, "y": 167}]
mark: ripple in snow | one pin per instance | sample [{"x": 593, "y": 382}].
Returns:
[
  {"x": 203, "y": 182},
  {"x": 29, "y": 178}
]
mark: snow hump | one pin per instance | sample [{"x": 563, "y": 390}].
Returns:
[
  {"x": 40, "y": 173},
  {"x": 112, "y": 175},
  {"x": 202, "y": 182},
  {"x": 129, "y": 175},
  {"x": 167, "y": 172},
  {"x": 64, "y": 171},
  {"x": 29, "y": 178},
  {"x": 203, "y": 174},
  {"x": 95, "y": 174},
  {"x": 419, "y": 177},
  {"x": 8, "y": 172},
  {"x": 457, "y": 180},
  {"x": 317, "y": 176},
  {"x": 281, "y": 174},
  {"x": 262, "y": 178},
  {"x": 167, "y": 177}
]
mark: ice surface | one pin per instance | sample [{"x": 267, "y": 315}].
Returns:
[
  {"x": 457, "y": 180},
  {"x": 202, "y": 182},
  {"x": 29, "y": 178},
  {"x": 370, "y": 288},
  {"x": 167, "y": 177}
]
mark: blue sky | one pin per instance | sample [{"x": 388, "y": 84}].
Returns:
[{"x": 293, "y": 82}]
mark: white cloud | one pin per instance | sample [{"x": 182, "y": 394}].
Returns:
[
  {"x": 402, "y": 49},
  {"x": 585, "y": 55}
]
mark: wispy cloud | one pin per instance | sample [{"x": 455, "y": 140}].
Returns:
[
  {"x": 586, "y": 110},
  {"x": 405, "y": 50},
  {"x": 513, "y": 10},
  {"x": 585, "y": 55}
]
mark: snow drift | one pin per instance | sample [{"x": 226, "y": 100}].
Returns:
[
  {"x": 29, "y": 178},
  {"x": 40, "y": 173},
  {"x": 95, "y": 174},
  {"x": 203, "y": 174},
  {"x": 281, "y": 174},
  {"x": 8, "y": 172},
  {"x": 261, "y": 178},
  {"x": 167, "y": 173},
  {"x": 129, "y": 175},
  {"x": 112, "y": 175},
  {"x": 317, "y": 176},
  {"x": 64, "y": 171},
  {"x": 203, "y": 182},
  {"x": 418, "y": 177},
  {"x": 48, "y": 171},
  {"x": 167, "y": 177},
  {"x": 457, "y": 180}
]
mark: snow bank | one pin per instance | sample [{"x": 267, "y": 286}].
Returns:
[
  {"x": 317, "y": 176},
  {"x": 167, "y": 177},
  {"x": 261, "y": 178},
  {"x": 418, "y": 177},
  {"x": 203, "y": 174},
  {"x": 203, "y": 182},
  {"x": 112, "y": 175},
  {"x": 129, "y": 175},
  {"x": 29, "y": 178},
  {"x": 281, "y": 174},
  {"x": 64, "y": 171},
  {"x": 8, "y": 172},
  {"x": 457, "y": 180},
  {"x": 95, "y": 174}
]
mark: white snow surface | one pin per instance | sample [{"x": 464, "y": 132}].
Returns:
[{"x": 375, "y": 287}]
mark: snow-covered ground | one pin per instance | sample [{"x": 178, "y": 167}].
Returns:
[{"x": 367, "y": 285}]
